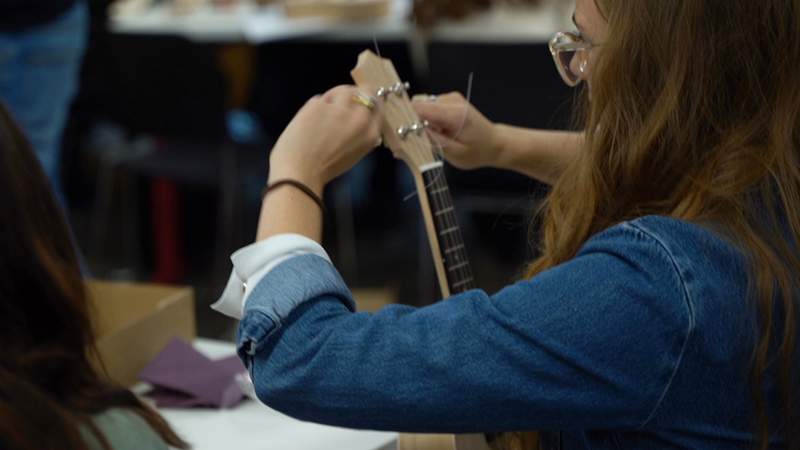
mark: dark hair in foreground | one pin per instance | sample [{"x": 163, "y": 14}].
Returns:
[{"x": 49, "y": 388}]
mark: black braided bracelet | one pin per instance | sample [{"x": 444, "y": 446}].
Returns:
[{"x": 306, "y": 190}]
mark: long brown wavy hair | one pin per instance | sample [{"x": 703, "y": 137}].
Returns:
[
  {"x": 46, "y": 332},
  {"x": 695, "y": 114}
]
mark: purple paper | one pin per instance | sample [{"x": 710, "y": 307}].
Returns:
[{"x": 183, "y": 377}]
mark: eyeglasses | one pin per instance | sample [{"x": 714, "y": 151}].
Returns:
[{"x": 564, "y": 47}]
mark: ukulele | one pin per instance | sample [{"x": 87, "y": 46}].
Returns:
[{"x": 404, "y": 133}]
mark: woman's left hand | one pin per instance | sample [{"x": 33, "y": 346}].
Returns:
[{"x": 327, "y": 137}]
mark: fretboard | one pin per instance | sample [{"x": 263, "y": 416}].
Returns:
[{"x": 451, "y": 243}]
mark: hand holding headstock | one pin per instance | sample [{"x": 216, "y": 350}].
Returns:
[{"x": 403, "y": 131}]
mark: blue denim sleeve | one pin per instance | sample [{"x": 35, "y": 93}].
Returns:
[
  {"x": 593, "y": 343},
  {"x": 286, "y": 287}
]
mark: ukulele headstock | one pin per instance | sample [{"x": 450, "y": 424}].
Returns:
[{"x": 403, "y": 131}]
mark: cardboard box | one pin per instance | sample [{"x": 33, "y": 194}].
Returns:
[{"x": 134, "y": 322}]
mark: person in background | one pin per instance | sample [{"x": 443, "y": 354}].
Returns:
[
  {"x": 662, "y": 311},
  {"x": 48, "y": 385},
  {"x": 42, "y": 43}
]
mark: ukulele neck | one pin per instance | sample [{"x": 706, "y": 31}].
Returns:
[{"x": 452, "y": 251}]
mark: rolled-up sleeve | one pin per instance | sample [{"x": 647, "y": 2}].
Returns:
[
  {"x": 592, "y": 343},
  {"x": 278, "y": 293},
  {"x": 255, "y": 261}
]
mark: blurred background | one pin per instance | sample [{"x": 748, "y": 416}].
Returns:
[{"x": 165, "y": 147}]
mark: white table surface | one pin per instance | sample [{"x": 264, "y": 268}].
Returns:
[
  {"x": 254, "y": 426},
  {"x": 248, "y": 23}
]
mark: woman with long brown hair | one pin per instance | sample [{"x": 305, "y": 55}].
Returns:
[
  {"x": 662, "y": 312},
  {"x": 50, "y": 394}
]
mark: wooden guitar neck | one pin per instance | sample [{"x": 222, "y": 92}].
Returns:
[
  {"x": 404, "y": 133},
  {"x": 451, "y": 249}
]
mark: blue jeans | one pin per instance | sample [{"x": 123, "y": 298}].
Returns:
[{"x": 39, "y": 69}]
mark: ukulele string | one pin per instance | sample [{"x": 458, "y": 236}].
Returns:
[
  {"x": 437, "y": 185},
  {"x": 387, "y": 75},
  {"x": 377, "y": 47},
  {"x": 409, "y": 118},
  {"x": 437, "y": 181},
  {"x": 439, "y": 146}
]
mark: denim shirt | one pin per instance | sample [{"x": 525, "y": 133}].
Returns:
[{"x": 642, "y": 341}]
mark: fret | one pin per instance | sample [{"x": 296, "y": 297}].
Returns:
[
  {"x": 451, "y": 243},
  {"x": 450, "y": 230},
  {"x": 445, "y": 211},
  {"x": 463, "y": 283},
  {"x": 454, "y": 249},
  {"x": 458, "y": 266}
]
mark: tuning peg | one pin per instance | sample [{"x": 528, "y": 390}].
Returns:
[
  {"x": 401, "y": 88},
  {"x": 403, "y": 132},
  {"x": 398, "y": 88},
  {"x": 417, "y": 128}
]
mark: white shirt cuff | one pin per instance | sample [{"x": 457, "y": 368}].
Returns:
[{"x": 252, "y": 263}]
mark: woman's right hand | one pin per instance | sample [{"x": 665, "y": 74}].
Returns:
[{"x": 468, "y": 140}]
